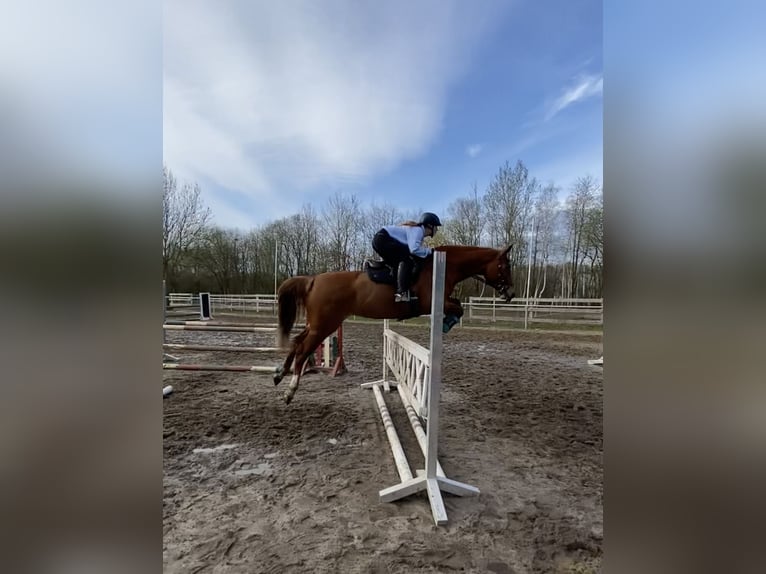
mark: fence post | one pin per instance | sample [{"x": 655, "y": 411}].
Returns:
[
  {"x": 526, "y": 313},
  {"x": 435, "y": 373}
]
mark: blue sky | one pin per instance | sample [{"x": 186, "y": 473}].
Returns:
[{"x": 272, "y": 105}]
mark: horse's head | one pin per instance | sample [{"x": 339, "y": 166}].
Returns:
[{"x": 497, "y": 274}]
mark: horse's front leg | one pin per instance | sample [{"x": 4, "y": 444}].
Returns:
[{"x": 453, "y": 310}]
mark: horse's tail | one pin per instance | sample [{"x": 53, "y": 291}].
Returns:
[{"x": 292, "y": 297}]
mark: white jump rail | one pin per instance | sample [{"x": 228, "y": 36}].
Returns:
[
  {"x": 417, "y": 373},
  {"x": 329, "y": 357},
  {"x": 409, "y": 362},
  {"x": 232, "y": 368}
]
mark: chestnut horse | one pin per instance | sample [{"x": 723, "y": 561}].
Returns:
[{"x": 328, "y": 298}]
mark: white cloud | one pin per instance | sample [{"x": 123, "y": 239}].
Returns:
[
  {"x": 473, "y": 150},
  {"x": 272, "y": 98},
  {"x": 584, "y": 87},
  {"x": 227, "y": 215}
]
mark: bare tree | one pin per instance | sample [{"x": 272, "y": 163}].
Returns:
[
  {"x": 465, "y": 224},
  {"x": 300, "y": 251},
  {"x": 371, "y": 220},
  {"x": 594, "y": 246},
  {"x": 380, "y": 215},
  {"x": 271, "y": 258},
  {"x": 546, "y": 212},
  {"x": 508, "y": 203},
  {"x": 341, "y": 218},
  {"x": 218, "y": 255},
  {"x": 579, "y": 203},
  {"x": 249, "y": 251},
  {"x": 184, "y": 218}
]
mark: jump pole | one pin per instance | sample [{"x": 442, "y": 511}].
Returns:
[
  {"x": 235, "y": 368},
  {"x": 230, "y": 349},
  {"x": 334, "y": 364},
  {"x": 323, "y": 354},
  {"x": 197, "y": 323},
  {"x": 400, "y": 459},
  {"x": 196, "y": 327}
]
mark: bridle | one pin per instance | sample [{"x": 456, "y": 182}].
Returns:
[{"x": 501, "y": 286}]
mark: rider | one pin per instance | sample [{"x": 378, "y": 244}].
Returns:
[{"x": 398, "y": 244}]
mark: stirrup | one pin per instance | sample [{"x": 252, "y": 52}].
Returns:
[{"x": 402, "y": 297}]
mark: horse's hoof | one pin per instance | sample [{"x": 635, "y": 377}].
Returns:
[
  {"x": 288, "y": 398},
  {"x": 277, "y": 378},
  {"x": 449, "y": 322}
]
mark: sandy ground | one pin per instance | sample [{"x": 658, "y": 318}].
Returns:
[{"x": 252, "y": 485}]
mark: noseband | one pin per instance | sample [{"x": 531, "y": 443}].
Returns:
[{"x": 501, "y": 286}]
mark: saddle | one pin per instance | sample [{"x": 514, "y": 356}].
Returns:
[{"x": 380, "y": 272}]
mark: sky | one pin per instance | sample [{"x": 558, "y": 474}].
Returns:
[{"x": 272, "y": 105}]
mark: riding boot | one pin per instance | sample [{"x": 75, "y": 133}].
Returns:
[{"x": 402, "y": 283}]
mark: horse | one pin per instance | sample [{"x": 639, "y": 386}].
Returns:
[{"x": 328, "y": 298}]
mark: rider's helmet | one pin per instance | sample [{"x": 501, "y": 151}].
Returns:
[{"x": 429, "y": 218}]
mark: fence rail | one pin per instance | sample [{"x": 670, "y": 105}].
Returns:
[
  {"x": 221, "y": 303},
  {"x": 575, "y": 311},
  {"x": 537, "y": 310}
]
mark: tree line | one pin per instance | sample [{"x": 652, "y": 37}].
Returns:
[{"x": 558, "y": 246}]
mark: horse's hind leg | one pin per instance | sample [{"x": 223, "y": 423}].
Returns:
[
  {"x": 303, "y": 351},
  {"x": 286, "y": 367}
]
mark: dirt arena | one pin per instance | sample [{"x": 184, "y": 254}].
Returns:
[{"x": 253, "y": 485}]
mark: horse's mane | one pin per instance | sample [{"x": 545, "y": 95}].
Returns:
[
  {"x": 462, "y": 248},
  {"x": 460, "y": 254}
]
